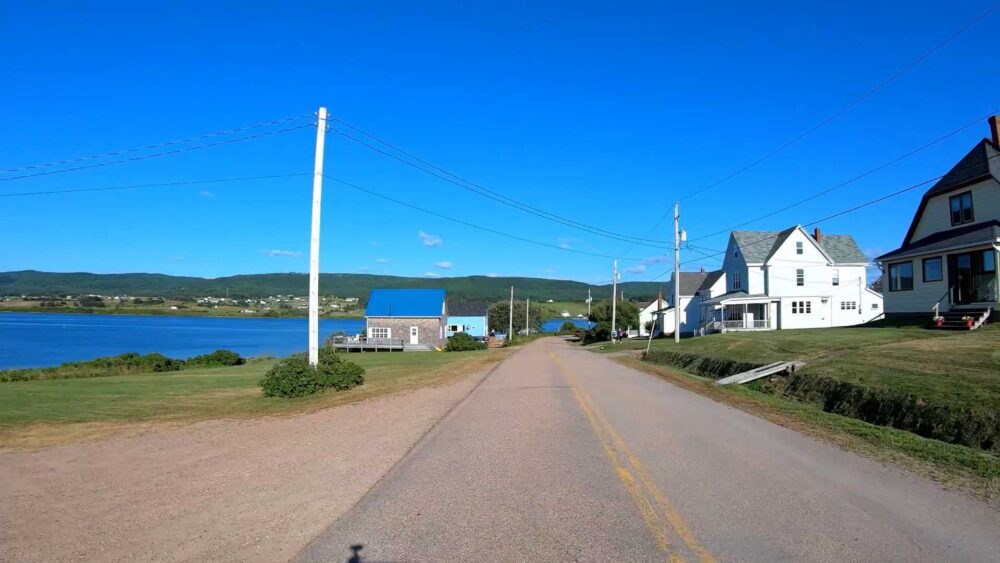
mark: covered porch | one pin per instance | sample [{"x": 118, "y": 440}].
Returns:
[{"x": 737, "y": 312}]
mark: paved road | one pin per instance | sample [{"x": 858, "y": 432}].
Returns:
[{"x": 563, "y": 455}]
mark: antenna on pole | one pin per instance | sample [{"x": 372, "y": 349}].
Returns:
[{"x": 314, "y": 240}]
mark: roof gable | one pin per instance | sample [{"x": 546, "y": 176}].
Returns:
[
  {"x": 980, "y": 163},
  {"x": 469, "y": 309},
  {"x": 759, "y": 246},
  {"x": 405, "y": 303},
  {"x": 690, "y": 282}
]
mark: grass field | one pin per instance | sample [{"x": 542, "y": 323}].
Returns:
[
  {"x": 573, "y": 307},
  {"x": 939, "y": 366},
  {"x": 38, "y": 413}
]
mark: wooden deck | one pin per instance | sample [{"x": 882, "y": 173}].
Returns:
[{"x": 362, "y": 344}]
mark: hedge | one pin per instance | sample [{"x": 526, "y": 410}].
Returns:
[{"x": 462, "y": 342}]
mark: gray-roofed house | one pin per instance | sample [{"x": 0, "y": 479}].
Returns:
[
  {"x": 788, "y": 279},
  {"x": 948, "y": 261},
  {"x": 694, "y": 286}
]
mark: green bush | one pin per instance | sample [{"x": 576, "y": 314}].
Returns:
[
  {"x": 600, "y": 333},
  {"x": 567, "y": 327},
  {"x": 294, "y": 377},
  {"x": 215, "y": 359},
  {"x": 462, "y": 342}
]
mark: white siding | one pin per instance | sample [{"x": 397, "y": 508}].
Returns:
[
  {"x": 735, "y": 266},
  {"x": 937, "y": 214},
  {"x": 924, "y": 295}
]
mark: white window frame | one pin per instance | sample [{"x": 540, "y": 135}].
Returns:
[
  {"x": 372, "y": 330},
  {"x": 836, "y": 276},
  {"x": 800, "y": 277},
  {"x": 799, "y": 248},
  {"x": 737, "y": 285}
]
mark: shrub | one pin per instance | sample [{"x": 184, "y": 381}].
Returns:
[
  {"x": 567, "y": 327},
  {"x": 215, "y": 359},
  {"x": 294, "y": 377},
  {"x": 462, "y": 342},
  {"x": 600, "y": 333}
]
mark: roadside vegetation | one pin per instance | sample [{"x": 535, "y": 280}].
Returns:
[
  {"x": 462, "y": 342},
  {"x": 930, "y": 394},
  {"x": 295, "y": 377},
  {"x": 123, "y": 364},
  {"x": 45, "y": 412},
  {"x": 154, "y": 306}
]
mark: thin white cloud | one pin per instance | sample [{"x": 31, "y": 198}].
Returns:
[
  {"x": 429, "y": 240},
  {"x": 278, "y": 253},
  {"x": 566, "y": 243},
  {"x": 444, "y": 265},
  {"x": 493, "y": 275},
  {"x": 549, "y": 270},
  {"x": 656, "y": 260},
  {"x": 175, "y": 258},
  {"x": 374, "y": 243},
  {"x": 363, "y": 268},
  {"x": 637, "y": 269},
  {"x": 382, "y": 260},
  {"x": 430, "y": 275},
  {"x": 207, "y": 194}
]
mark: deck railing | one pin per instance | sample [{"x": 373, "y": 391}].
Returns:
[{"x": 745, "y": 324}]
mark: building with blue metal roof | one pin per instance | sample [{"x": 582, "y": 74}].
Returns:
[{"x": 414, "y": 316}]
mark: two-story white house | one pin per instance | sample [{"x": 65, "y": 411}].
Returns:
[
  {"x": 948, "y": 261},
  {"x": 694, "y": 287},
  {"x": 790, "y": 279}
]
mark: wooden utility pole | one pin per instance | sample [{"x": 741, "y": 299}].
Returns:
[
  {"x": 314, "y": 240},
  {"x": 510, "y": 311},
  {"x": 614, "y": 300},
  {"x": 677, "y": 272}
]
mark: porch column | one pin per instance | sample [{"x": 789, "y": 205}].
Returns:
[{"x": 746, "y": 310}]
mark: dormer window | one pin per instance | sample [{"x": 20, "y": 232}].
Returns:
[
  {"x": 961, "y": 208},
  {"x": 798, "y": 247}
]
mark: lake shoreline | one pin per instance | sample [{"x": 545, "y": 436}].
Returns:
[{"x": 156, "y": 313}]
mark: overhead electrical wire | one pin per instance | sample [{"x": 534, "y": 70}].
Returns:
[
  {"x": 159, "y": 145},
  {"x": 837, "y": 214},
  {"x": 473, "y": 187},
  {"x": 460, "y": 221},
  {"x": 834, "y": 115},
  {"x": 161, "y": 154},
  {"x": 156, "y": 185}
]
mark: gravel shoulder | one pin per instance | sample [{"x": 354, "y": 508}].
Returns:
[{"x": 251, "y": 490}]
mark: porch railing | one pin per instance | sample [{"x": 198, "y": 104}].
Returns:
[{"x": 746, "y": 324}]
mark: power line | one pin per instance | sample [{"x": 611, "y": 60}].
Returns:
[
  {"x": 832, "y": 116},
  {"x": 473, "y": 187},
  {"x": 851, "y": 105},
  {"x": 156, "y": 185},
  {"x": 460, "y": 221},
  {"x": 833, "y": 216},
  {"x": 158, "y": 145},
  {"x": 852, "y": 180},
  {"x": 162, "y": 154}
]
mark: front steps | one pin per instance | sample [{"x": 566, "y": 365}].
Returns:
[{"x": 959, "y": 319}]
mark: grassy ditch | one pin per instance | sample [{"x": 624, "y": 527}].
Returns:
[
  {"x": 945, "y": 387},
  {"x": 963, "y": 468},
  {"x": 44, "y": 412}
]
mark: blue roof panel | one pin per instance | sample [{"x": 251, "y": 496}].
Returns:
[{"x": 405, "y": 303}]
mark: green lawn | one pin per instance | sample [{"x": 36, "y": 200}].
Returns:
[
  {"x": 231, "y": 392},
  {"x": 573, "y": 307}
]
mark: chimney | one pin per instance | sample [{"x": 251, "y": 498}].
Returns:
[
  {"x": 994, "y": 122},
  {"x": 817, "y": 235}
]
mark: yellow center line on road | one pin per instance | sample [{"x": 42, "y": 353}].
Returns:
[{"x": 645, "y": 487}]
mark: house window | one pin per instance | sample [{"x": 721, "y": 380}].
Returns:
[
  {"x": 801, "y": 307},
  {"x": 901, "y": 276},
  {"x": 836, "y": 277},
  {"x": 800, "y": 277},
  {"x": 736, "y": 281},
  {"x": 874, "y": 305},
  {"x": 989, "y": 261},
  {"x": 378, "y": 332},
  {"x": 809, "y": 306},
  {"x": 798, "y": 247},
  {"x": 932, "y": 269},
  {"x": 961, "y": 208},
  {"x": 848, "y": 305},
  {"x": 456, "y": 328}
]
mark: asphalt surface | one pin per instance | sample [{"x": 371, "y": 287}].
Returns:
[{"x": 564, "y": 455}]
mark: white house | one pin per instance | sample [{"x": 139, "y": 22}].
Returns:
[
  {"x": 789, "y": 279},
  {"x": 648, "y": 313},
  {"x": 694, "y": 286},
  {"x": 949, "y": 257}
]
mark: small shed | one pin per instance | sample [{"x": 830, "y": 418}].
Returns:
[{"x": 470, "y": 317}]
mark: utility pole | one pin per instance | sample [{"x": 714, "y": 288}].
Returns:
[
  {"x": 527, "y": 315},
  {"x": 677, "y": 273},
  {"x": 510, "y": 327},
  {"x": 614, "y": 300},
  {"x": 314, "y": 240}
]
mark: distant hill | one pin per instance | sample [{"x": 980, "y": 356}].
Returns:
[{"x": 33, "y": 282}]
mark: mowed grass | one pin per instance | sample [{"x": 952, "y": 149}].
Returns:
[
  {"x": 37, "y": 413},
  {"x": 953, "y": 368}
]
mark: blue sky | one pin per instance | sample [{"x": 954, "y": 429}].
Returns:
[{"x": 602, "y": 113}]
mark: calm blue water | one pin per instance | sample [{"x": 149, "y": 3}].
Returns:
[
  {"x": 38, "y": 340},
  {"x": 555, "y": 324}
]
